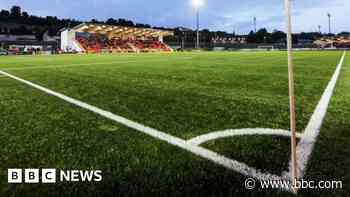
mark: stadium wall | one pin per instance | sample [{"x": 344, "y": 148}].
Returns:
[{"x": 68, "y": 42}]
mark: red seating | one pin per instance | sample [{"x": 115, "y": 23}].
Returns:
[
  {"x": 96, "y": 43},
  {"x": 93, "y": 44}
]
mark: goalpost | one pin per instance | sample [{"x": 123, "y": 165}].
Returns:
[{"x": 267, "y": 47}]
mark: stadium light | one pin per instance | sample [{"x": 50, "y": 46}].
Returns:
[
  {"x": 294, "y": 171},
  {"x": 319, "y": 29},
  {"x": 254, "y": 21},
  {"x": 329, "y": 23},
  {"x": 197, "y": 4}
]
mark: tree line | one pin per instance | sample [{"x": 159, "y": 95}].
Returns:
[{"x": 31, "y": 24}]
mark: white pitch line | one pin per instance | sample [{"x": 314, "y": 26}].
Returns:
[
  {"x": 239, "y": 132},
  {"x": 197, "y": 150},
  {"x": 308, "y": 140},
  {"x": 91, "y": 64}
]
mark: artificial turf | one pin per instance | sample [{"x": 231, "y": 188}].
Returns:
[{"x": 186, "y": 95}]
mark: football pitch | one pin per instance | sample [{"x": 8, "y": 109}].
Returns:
[{"x": 181, "y": 124}]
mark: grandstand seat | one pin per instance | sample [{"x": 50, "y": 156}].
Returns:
[{"x": 97, "y": 43}]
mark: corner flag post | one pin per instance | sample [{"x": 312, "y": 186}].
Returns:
[{"x": 294, "y": 172}]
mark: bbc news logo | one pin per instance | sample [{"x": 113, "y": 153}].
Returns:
[{"x": 52, "y": 176}]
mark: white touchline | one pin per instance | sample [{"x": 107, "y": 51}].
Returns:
[
  {"x": 307, "y": 142},
  {"x": 197, "y": 150},
  {"x": 238, "y": 132},
  {"x": 92, "y": 64}
]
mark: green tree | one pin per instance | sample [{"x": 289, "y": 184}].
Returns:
[
  {"x": 4, "y": 14},
  {"x": 111, "y": 21},
  {"x": 16, "y": 12},
  {"x": 25, "y": 15}
]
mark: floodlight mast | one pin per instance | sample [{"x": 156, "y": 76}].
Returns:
[
  {"x": 254, "y": 21},
  {"x": 197, "y": 45},
  {"x": 294, "y": 171},
  {"x": 329, "y": 23},
  {"x": 319, "y": 29},
  {"x": 197, "y": 4}
]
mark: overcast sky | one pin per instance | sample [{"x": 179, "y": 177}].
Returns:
[{"x": 226, "y": 15}]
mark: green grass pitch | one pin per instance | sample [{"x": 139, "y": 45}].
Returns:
[{"x": 182, "y": 94}]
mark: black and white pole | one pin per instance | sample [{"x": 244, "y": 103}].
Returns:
[{"x": 294, "y": 171}]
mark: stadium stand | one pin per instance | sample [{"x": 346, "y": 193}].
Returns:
[
  {"x": 331, "y": 42},
  {"x": 95, "y": 38}
]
